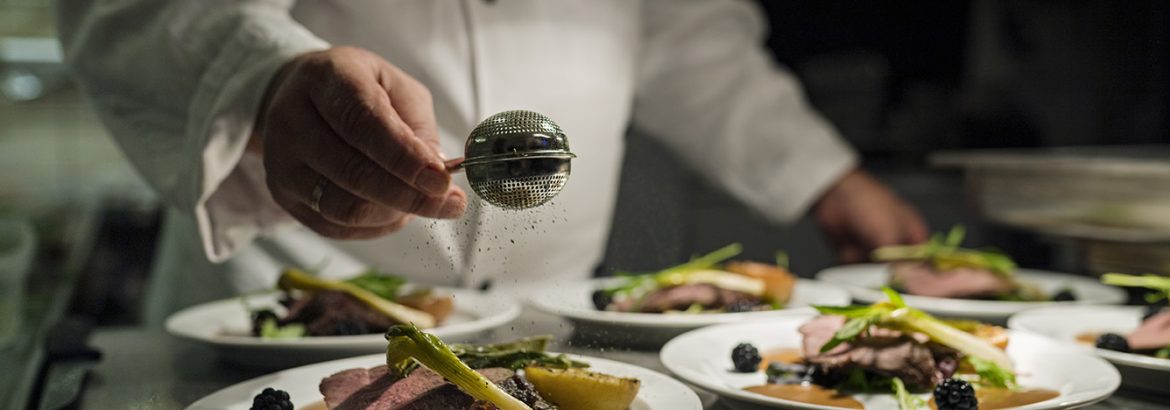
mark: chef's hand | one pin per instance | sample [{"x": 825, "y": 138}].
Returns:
[
  {"x": 859, "y": 214},
  {"x": 350, "y": 146}
]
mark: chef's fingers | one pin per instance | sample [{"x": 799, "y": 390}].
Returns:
[
  {"x": 413, "y": 103},
  {"x": 357, "y": 107},
  {"x": 337, "y": 202},
  {"x": 389, "y": 192},
  {"x": 356, "y": 173},
  {"x": 350, "y": 170}
]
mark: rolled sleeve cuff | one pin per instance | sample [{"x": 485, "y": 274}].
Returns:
[{"x": 231, "y": 202}]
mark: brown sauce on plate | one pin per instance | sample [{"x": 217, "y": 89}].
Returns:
[
  {"x": 811, "y": 393},
  {"x": 991, "y": 398}
]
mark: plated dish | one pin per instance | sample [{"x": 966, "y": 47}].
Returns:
[
  {"x": 419, "y": 372},
  {"x": 864, "y": 283},
  {"x": 233, "y": 327},
  {"x": 1135, "y": 339},
  {"x": 698, "y": 291},
  {"x": 886, "y": 355},
  {"x": 369, "y": 303},
  {"x": 706, "y": 284},
  {"x": 942, "y": 268}
]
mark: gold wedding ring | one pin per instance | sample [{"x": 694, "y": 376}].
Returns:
[{"x": 318, "y": 190}]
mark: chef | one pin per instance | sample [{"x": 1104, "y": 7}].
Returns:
[{"x": 312, "y": 133}]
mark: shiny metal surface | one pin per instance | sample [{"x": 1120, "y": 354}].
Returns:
[
  {"x": 1114, "y": 194},
  {"x": 517, "y": 159}
]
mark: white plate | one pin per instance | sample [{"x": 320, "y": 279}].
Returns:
[
  {"x": 703, "y": 358},
  {"x": 865, "y": 281},
  {"x": 226, "y": 326},
  {"x": 658, "y": 391},
  {"x": 1065, "y": 323},
  {"x": 573, "y": 301}
]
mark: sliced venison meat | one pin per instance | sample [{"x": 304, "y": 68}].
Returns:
[
  {"x": 684, "y": 296},
  {"x": 377, "y": 389},
  {"x": 883, "y": 351},
  {"x": 1154, "y": 333},
  {"x": 331, "y": 313},
  {"x": 920, "y": 278},
  {"x": 818, "y": 331},
  {"x": 342, "y": 385}
]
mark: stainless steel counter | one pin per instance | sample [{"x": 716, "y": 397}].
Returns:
[{"x": 148, "y": 369}]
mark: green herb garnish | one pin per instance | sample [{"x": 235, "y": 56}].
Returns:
[
  {"x": 269, "y": 329},
  {"x": 635, "y": 282},
  {"x": 387, "y": 287},
  {"x": 945, "y": 254},
  {"x": 295, "y": 279},
  {"x": 407, "y": 344},
  {"x": 1159, "y": 285},
  {"x": 513, "y": 355},
  {"x": 991, "y": 374},
  {"x": 906, "y": 401},
  {"x": 895, "y": 314},
  {"x": 782, "y": 259}
]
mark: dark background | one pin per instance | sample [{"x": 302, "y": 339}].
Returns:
[{"x": 903, "y": 79}]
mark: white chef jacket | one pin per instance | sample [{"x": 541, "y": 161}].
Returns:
[{"x": 179, "y": 83}]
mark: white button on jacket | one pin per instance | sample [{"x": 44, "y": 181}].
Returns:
[{"x": 179, "y": 83}]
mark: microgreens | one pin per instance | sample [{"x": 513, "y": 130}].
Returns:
[
  {"x": 945, "y": 253},
  {"x": 906, "y": 401},
  {"x": 895, "y": 314},
  {"x": 636, "y": 281},
  {"x": 1159, "y": 285}
]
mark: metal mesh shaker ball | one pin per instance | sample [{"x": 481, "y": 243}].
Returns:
[{"x": 516, "y": 159}]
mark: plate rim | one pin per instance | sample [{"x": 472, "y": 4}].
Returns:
[
  {"x": 657, "y": 320},
  {"x": 509, "y": 311},
  {"x": 675, "y": 386},
  {"x": 669, "y": 351},
  {"x": 1117, "y": 358}
]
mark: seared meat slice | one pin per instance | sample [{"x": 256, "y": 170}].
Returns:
[
  {"x": 331, "y": 313},
  {"x": 684, "y": 296},
  {"x": 377, "y": 389},
  {"x": 883, "y": 351},
  {"x": 355, "y": 384},
  {"x": 1154, "y": 333},
  {"x": 920, "y": 278}
]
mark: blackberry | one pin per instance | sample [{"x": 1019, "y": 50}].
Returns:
[
  {"x": 1152, "y": 310},
  {"x": 955, "y": 394},
  {"x": 1113, "y": 341},
  {"x": 1065, "y": 295},
  {"x": 601, "y": 299},
  {"x": 742, "y": 306},
  {"x": 272, "y": 399},
  {"x": 746, "y": 358},
  {"x": 349, "y": 328}
]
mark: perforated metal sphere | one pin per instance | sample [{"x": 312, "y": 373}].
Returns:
[{"x": 517, "y": 159}]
